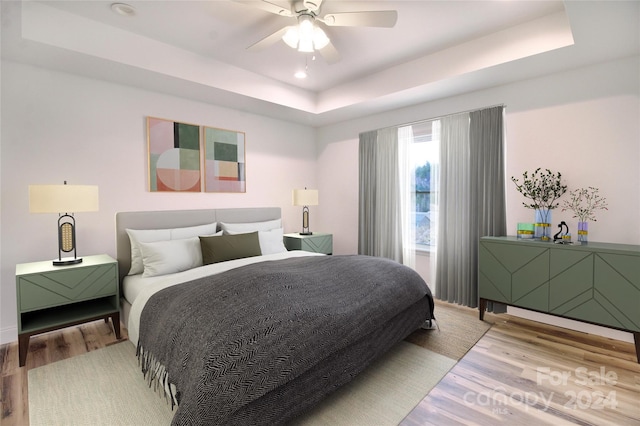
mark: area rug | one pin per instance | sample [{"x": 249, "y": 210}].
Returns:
[
  {"x": 458, "y": 329},
  {"x": 105, "y": 387}
]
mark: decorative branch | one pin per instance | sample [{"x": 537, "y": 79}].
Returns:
[
  {"x": 543, "y": 188},
  {"x": 584, "y": 202}
]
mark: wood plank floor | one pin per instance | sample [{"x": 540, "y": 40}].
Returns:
[
  {"x": 514, "y": 376},
  {"x": 45, "y": 349},
  {"x": 526, "y": 373}
]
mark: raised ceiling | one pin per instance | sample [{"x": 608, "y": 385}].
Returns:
[{"x": 198, "y": 49}]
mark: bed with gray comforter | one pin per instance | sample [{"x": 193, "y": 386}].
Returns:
[{"x": 260, "y": 344}]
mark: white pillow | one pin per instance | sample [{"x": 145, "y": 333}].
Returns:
[
  {"x": 171, "y": 256},
  {"x": 271, "y": 241},
  {"x": 243, "y": 228},
  {"x": 137, "y": 236},
  {"x": 193, "y": 231}
]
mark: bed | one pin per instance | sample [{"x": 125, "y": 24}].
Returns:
[{"x": 247, "y": 335}]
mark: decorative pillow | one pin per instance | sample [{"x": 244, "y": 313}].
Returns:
[
  {"x": 143, "y": 236},
  {"x": 171, "y": 256},
  {"x": 270, "y": 241},
  {"x": 238, "y": 228},
  {"x": 137, "y": 236},
  {"x": 229, "y": 247}
]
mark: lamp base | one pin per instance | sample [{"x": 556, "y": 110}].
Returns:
[
  {"x": 67, "y": 261},
  {"x": 306, "y": 233}
]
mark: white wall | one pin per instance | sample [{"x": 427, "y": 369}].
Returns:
[
  {"x": 55, "y": 126},
  {"x": 583, "y": 123},
  {"x": 58, "y": 127}
]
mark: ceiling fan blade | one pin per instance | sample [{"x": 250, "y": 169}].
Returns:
[
  {"x": 268, "y": 6},
  {"x": 268, "y": 40},
  {"x": 379, "y": 18},
  {"x": 330, "y": 53}
]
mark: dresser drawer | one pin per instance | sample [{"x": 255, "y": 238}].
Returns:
[
  {"x": 54, "y": 288},
  {"x": 316, "y": 243}
]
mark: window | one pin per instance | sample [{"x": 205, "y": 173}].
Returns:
[{"x": 425, "y": 156}]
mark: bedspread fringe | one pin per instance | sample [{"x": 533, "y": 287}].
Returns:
[{"x": 156, "y": 375}]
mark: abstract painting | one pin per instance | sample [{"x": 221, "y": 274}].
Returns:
[
  {"x": 224, "y": 163},
  {"x": 174, "y": 156}
]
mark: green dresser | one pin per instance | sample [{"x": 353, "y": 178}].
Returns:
[
  {"x": 53, "y": 297},
  {"x": 598, "y": 283},
  {"x": 317, "y": 242}
]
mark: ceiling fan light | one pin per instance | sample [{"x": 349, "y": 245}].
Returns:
[
  {"x": 305, "y": 45},
  {"x": 306, "y": 26},
  {"x": 291, "y": 37},
  {"x": 320, "y": 39}
]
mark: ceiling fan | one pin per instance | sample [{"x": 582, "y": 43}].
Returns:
[{"x": 307, "y": 35}]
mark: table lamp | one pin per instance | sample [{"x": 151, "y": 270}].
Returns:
[
  {"x": 64, "y": 200},
  {"x": 305, "y": 198}
]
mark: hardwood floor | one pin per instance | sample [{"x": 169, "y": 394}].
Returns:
[
  {"x": 44, "y": 349},
  {"x": 514, "y": 375},
  {"x": 526, "y": 373}
]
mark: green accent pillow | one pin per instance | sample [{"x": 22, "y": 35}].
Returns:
[{"x": 228, "y": 247}]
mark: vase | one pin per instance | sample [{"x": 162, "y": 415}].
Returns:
[
  {"x": 543, "y": 224},
  {"x": 525, "y": 231},
  {"x": 583, "y": 232}
]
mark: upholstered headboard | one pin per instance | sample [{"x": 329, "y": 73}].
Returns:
[{"x": 163, "y": 219}]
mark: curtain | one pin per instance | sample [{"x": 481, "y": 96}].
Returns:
[
  {"x": 436, "y": 126},
  {"x": 407, "y": 188},
  {"x": 472, "y": 200},
  {"x": 453, "y": 269},
  {"x": 486, "y": 137},
  {"x": 380, "y": 228},
  {"x": 366, "y": 194}
]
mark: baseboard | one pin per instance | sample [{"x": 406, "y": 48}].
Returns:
[
  {"x": 583, "y": 327},
  {"x": 8, "y": 335}
]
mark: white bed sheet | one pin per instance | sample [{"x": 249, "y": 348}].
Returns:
[{"x": 138, "y": 290}]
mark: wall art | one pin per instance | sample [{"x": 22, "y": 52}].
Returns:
[
  {"x": 174, "y": 156},
  {"x": 224, "y": 165}
]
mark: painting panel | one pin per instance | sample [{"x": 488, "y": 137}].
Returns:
[
  {"x": 174, "y": 156},
  {"x": 224, "y": 165}
]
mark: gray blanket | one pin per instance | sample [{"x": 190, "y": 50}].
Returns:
[{"x": 227, "y": 340}]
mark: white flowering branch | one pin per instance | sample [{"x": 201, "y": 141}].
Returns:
[{"x": 584, "y": 202}]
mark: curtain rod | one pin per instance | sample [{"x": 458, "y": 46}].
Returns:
[{"x": 440, "y": 117}]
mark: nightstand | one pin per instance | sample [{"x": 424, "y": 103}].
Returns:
[
  {"x": 317, "y": 242},
  {"x": 53, "y": 297}
]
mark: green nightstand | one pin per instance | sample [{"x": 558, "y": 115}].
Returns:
[
  {"x": 53, "y": 297},
  {"x": 317, "y": 242}
]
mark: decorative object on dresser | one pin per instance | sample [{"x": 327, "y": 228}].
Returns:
[
  {"x": 563, "y": 236},
  {"x": 67, "y": 199},
  {"x": 543, "y": 188},
  {"x": 597, "y": 283},
  {"x": 584, "y": 202},
  {"x": 316, "y": 243},
  {"x": 50, "y": 298},
  {"x": 305, "y": 198}
]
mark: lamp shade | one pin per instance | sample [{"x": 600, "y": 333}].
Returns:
[
  {"x": 305, "y": 197},
  {"x": 63, "y": 198}
]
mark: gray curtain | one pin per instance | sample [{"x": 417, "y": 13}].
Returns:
[
  {"x": 380, "y": 232},
  {"x": 453, "y": 268},
  {"x": 472, "y": 201}
]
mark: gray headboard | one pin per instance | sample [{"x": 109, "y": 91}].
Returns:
[{"x": 163, "y": 219}]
